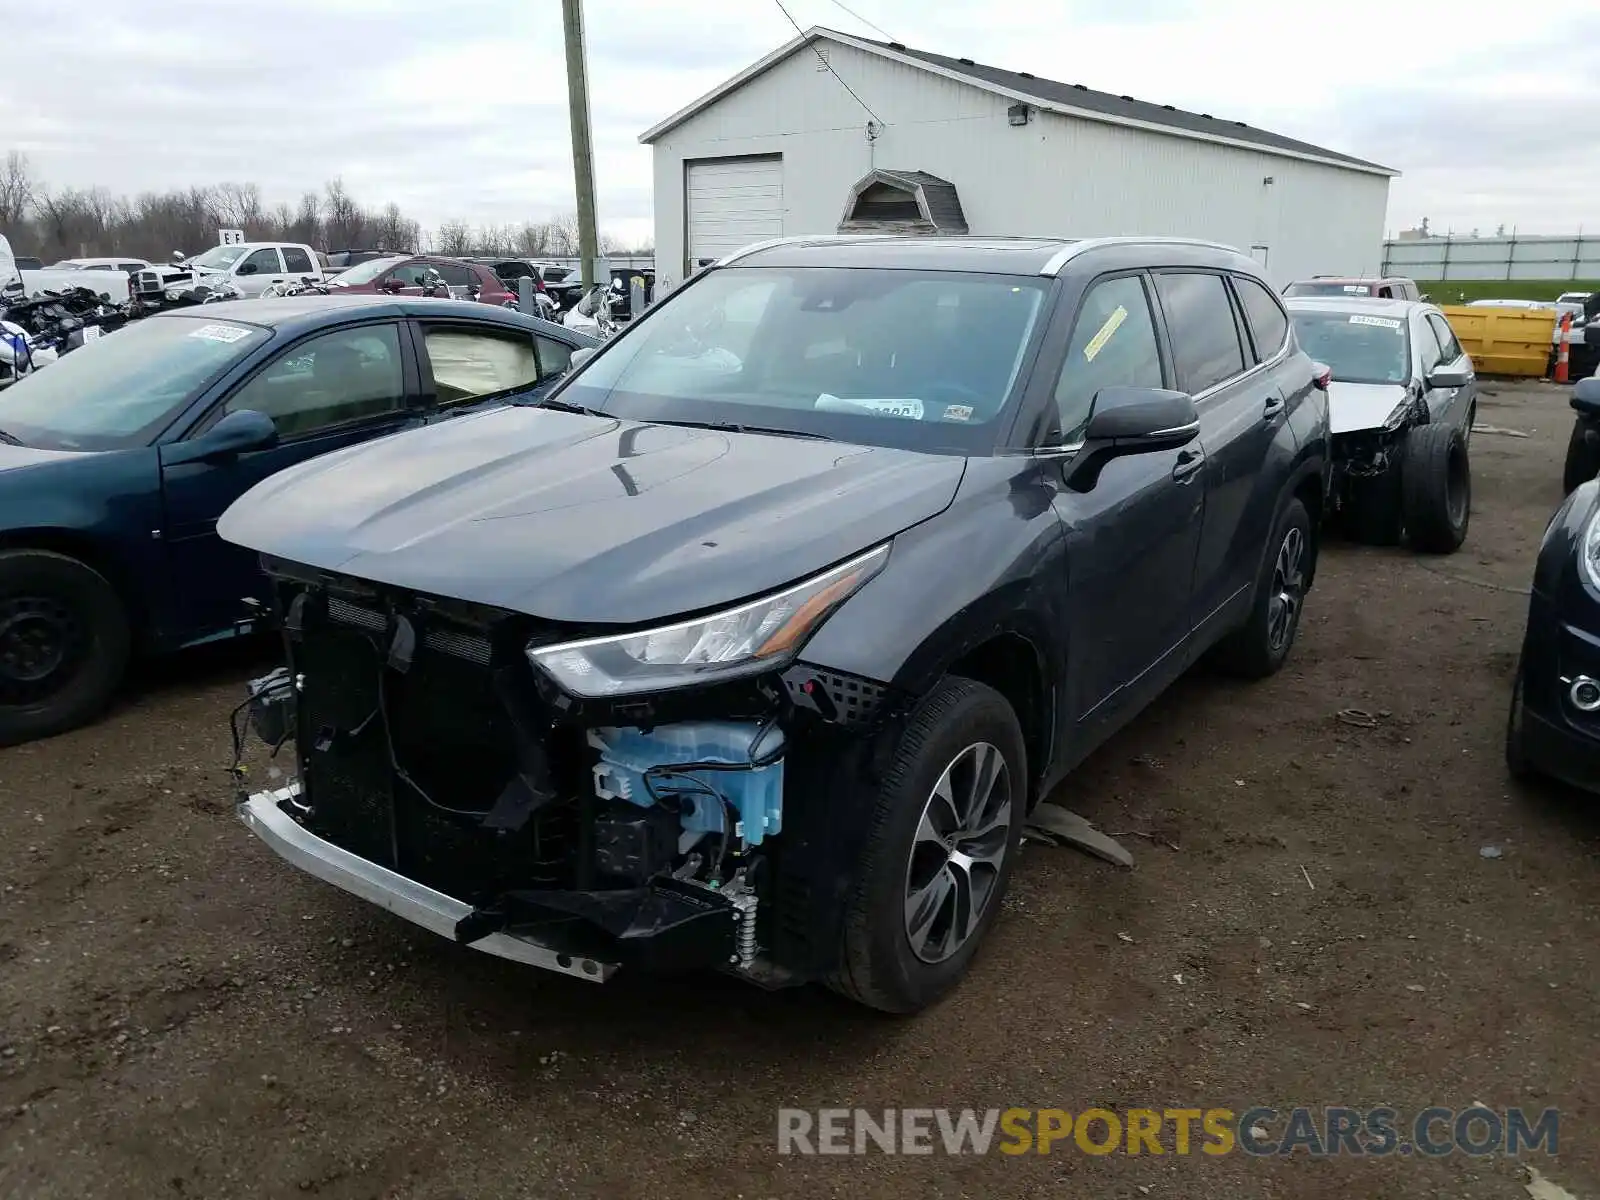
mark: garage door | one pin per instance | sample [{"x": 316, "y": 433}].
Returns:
[{"x": 732, "y": 202}]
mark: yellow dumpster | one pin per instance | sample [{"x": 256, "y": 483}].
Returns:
[{"x": 1504, "y": 341}]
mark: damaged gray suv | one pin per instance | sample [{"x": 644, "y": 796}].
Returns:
[{"x": 752, "y": 646}]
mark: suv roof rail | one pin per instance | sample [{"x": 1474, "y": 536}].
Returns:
[
  {"x": 1068, "y": 252},
  {"x": 792, "y": 239}
]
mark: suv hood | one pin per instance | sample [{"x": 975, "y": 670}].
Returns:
[
  {"x": 1353, "y": 407},
  {"x": 580, "y": 518}
]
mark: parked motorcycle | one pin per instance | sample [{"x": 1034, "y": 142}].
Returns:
[
  {"x": 55, "y": 323},
  {"x": 304, "y": 286},
  {"x": 592, "y": 314}
]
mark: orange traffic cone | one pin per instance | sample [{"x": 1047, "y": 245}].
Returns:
[{"x": 1561, "y": 349}]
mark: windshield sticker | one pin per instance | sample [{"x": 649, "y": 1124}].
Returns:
[
  {"x": 220, "y": 333},
  {"x": 911, "y": 408},
  {"x": 1357, "y": 289},
  {"x": 1098, "y": 342},
  {"x": 1380, "y": 322},
  {"x": 958, "y": 412}
]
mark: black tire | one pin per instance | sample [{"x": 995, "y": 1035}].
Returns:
[
  {"x": 1371, "y": 510},
  {"x": 1436, "y": 488},
  {"x": 64, "y": 644},
  {"x": 878, "y": 965},
  {"x": 1261, "y": 645},
  {"x": 1583, "y": 459},
  {"x": 1516, "y": 749}
]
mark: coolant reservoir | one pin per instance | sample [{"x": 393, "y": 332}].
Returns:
[{"x": 755, "y": 793}]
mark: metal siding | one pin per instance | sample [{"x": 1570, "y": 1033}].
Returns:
[{"x": 1056, "y": 175}]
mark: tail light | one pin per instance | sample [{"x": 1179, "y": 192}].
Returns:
[{"x": 1321, "y": 376}]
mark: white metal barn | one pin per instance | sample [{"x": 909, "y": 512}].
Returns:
[{"x": 951, "y": 145}]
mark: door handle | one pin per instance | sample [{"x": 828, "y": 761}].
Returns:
[
  {"x": 1273, "y": 408},
  {"x": 1189, "y": 462}
]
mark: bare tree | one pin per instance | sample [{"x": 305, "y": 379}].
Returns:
[
  {"x": 453, "y": 238},
  {"x": 71, "y": 223},
  {"x": 16, "y": 191}
]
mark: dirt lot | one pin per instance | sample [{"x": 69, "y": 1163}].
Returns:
[{"x": 181, "y": 1014}]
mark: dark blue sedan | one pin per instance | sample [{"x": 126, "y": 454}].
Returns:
[{"x": 117, "y": 461}]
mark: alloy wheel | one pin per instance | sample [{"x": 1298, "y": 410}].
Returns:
[
  {"x": 1288, "y": 589},
  {"x": 957, "y": 852}
]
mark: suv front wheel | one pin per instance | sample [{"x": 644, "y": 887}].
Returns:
[{"x": 938, "y": 857}]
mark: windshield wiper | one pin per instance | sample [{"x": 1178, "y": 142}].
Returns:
[
  {"x": 735, "y": 427},
  {"x": 568, "y": 406},
  {"x": 11, "y": 439}
]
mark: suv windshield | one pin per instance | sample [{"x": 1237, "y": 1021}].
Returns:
[
  {"x": 1360, "y": 348},
  {"x": 220, "y": 258},
  {"x": 922, "y": 360},
  {"x": 122, "y": 390},
  {"x": 367, "y": 271}
]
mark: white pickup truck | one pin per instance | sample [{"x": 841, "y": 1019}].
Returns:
[
  {"x": 254, "y": 266},
  {"x": 112, "y": 284}
]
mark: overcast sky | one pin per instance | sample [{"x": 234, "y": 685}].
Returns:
[{"x": 456, "y": 108}]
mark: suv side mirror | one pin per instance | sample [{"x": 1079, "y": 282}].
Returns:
[
  {"x": 1444, "y": 377},
  {"x": 1131, "y": 420},
  {"x": 237, "y": 433},
  {"x": 1585, "y": 396}
]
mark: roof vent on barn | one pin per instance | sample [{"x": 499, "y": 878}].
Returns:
[{"x": 903, "y": 202}]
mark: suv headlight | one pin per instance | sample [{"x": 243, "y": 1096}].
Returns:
[
  {"x": 746, "y": 640},
  {"x": 1589, "y": 552}
]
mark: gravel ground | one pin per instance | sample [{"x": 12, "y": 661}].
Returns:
[{"x": 182, "y": 1014}]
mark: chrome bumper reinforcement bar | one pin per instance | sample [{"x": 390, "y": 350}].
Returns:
[{"x": 407, "y": 898}]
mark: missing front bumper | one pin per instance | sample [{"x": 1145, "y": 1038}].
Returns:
[{"x": 263, "y": 815}]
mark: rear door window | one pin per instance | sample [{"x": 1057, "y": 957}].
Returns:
[
  {"x": 1269, "y": 324},
  {"x": 296, "y": 259},
  {"x": 469, "y": 364},
  {"x": 1205, "y": 338}
]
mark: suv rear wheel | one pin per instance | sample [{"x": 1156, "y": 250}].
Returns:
[
  {"x": 1261, "y": 645},
  {"x": 939, "y": 854}
]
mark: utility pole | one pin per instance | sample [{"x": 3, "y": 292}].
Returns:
[{"x": 582, "y": 144}]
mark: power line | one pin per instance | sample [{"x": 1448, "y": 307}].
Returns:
[
  {"x": 823, "y": 59},
  {"x": 863, "y": 20}
]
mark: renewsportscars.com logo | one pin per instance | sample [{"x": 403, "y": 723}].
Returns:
[{"x": 1314, "y": 1132}]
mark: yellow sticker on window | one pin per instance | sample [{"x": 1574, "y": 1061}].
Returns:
[{"x": 1098, "y": 342}]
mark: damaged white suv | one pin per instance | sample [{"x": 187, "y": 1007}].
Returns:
[{"x": 1400, "y": 407}]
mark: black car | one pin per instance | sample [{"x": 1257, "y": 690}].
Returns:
[
  {"x": 754, "y": 643},
  {"x": 1553, "y": 729},
  {"x": 1583, "y": 447}
]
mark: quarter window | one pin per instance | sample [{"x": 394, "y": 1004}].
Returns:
[
  {"x": 1113, "y": 342},
  {"x": 555, "y": 358},
  {"x": 1448, "y": 346},
  {"x": 1428, "y": 348},
  {"x": 469, "y": 364},
  {"x": 1205, "y": 337},
  {"x": 344, "y": 376},
  {"x": 1269, "y": 325}
]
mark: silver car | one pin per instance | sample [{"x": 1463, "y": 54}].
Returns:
[{"x": 1401, "y": 407}]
